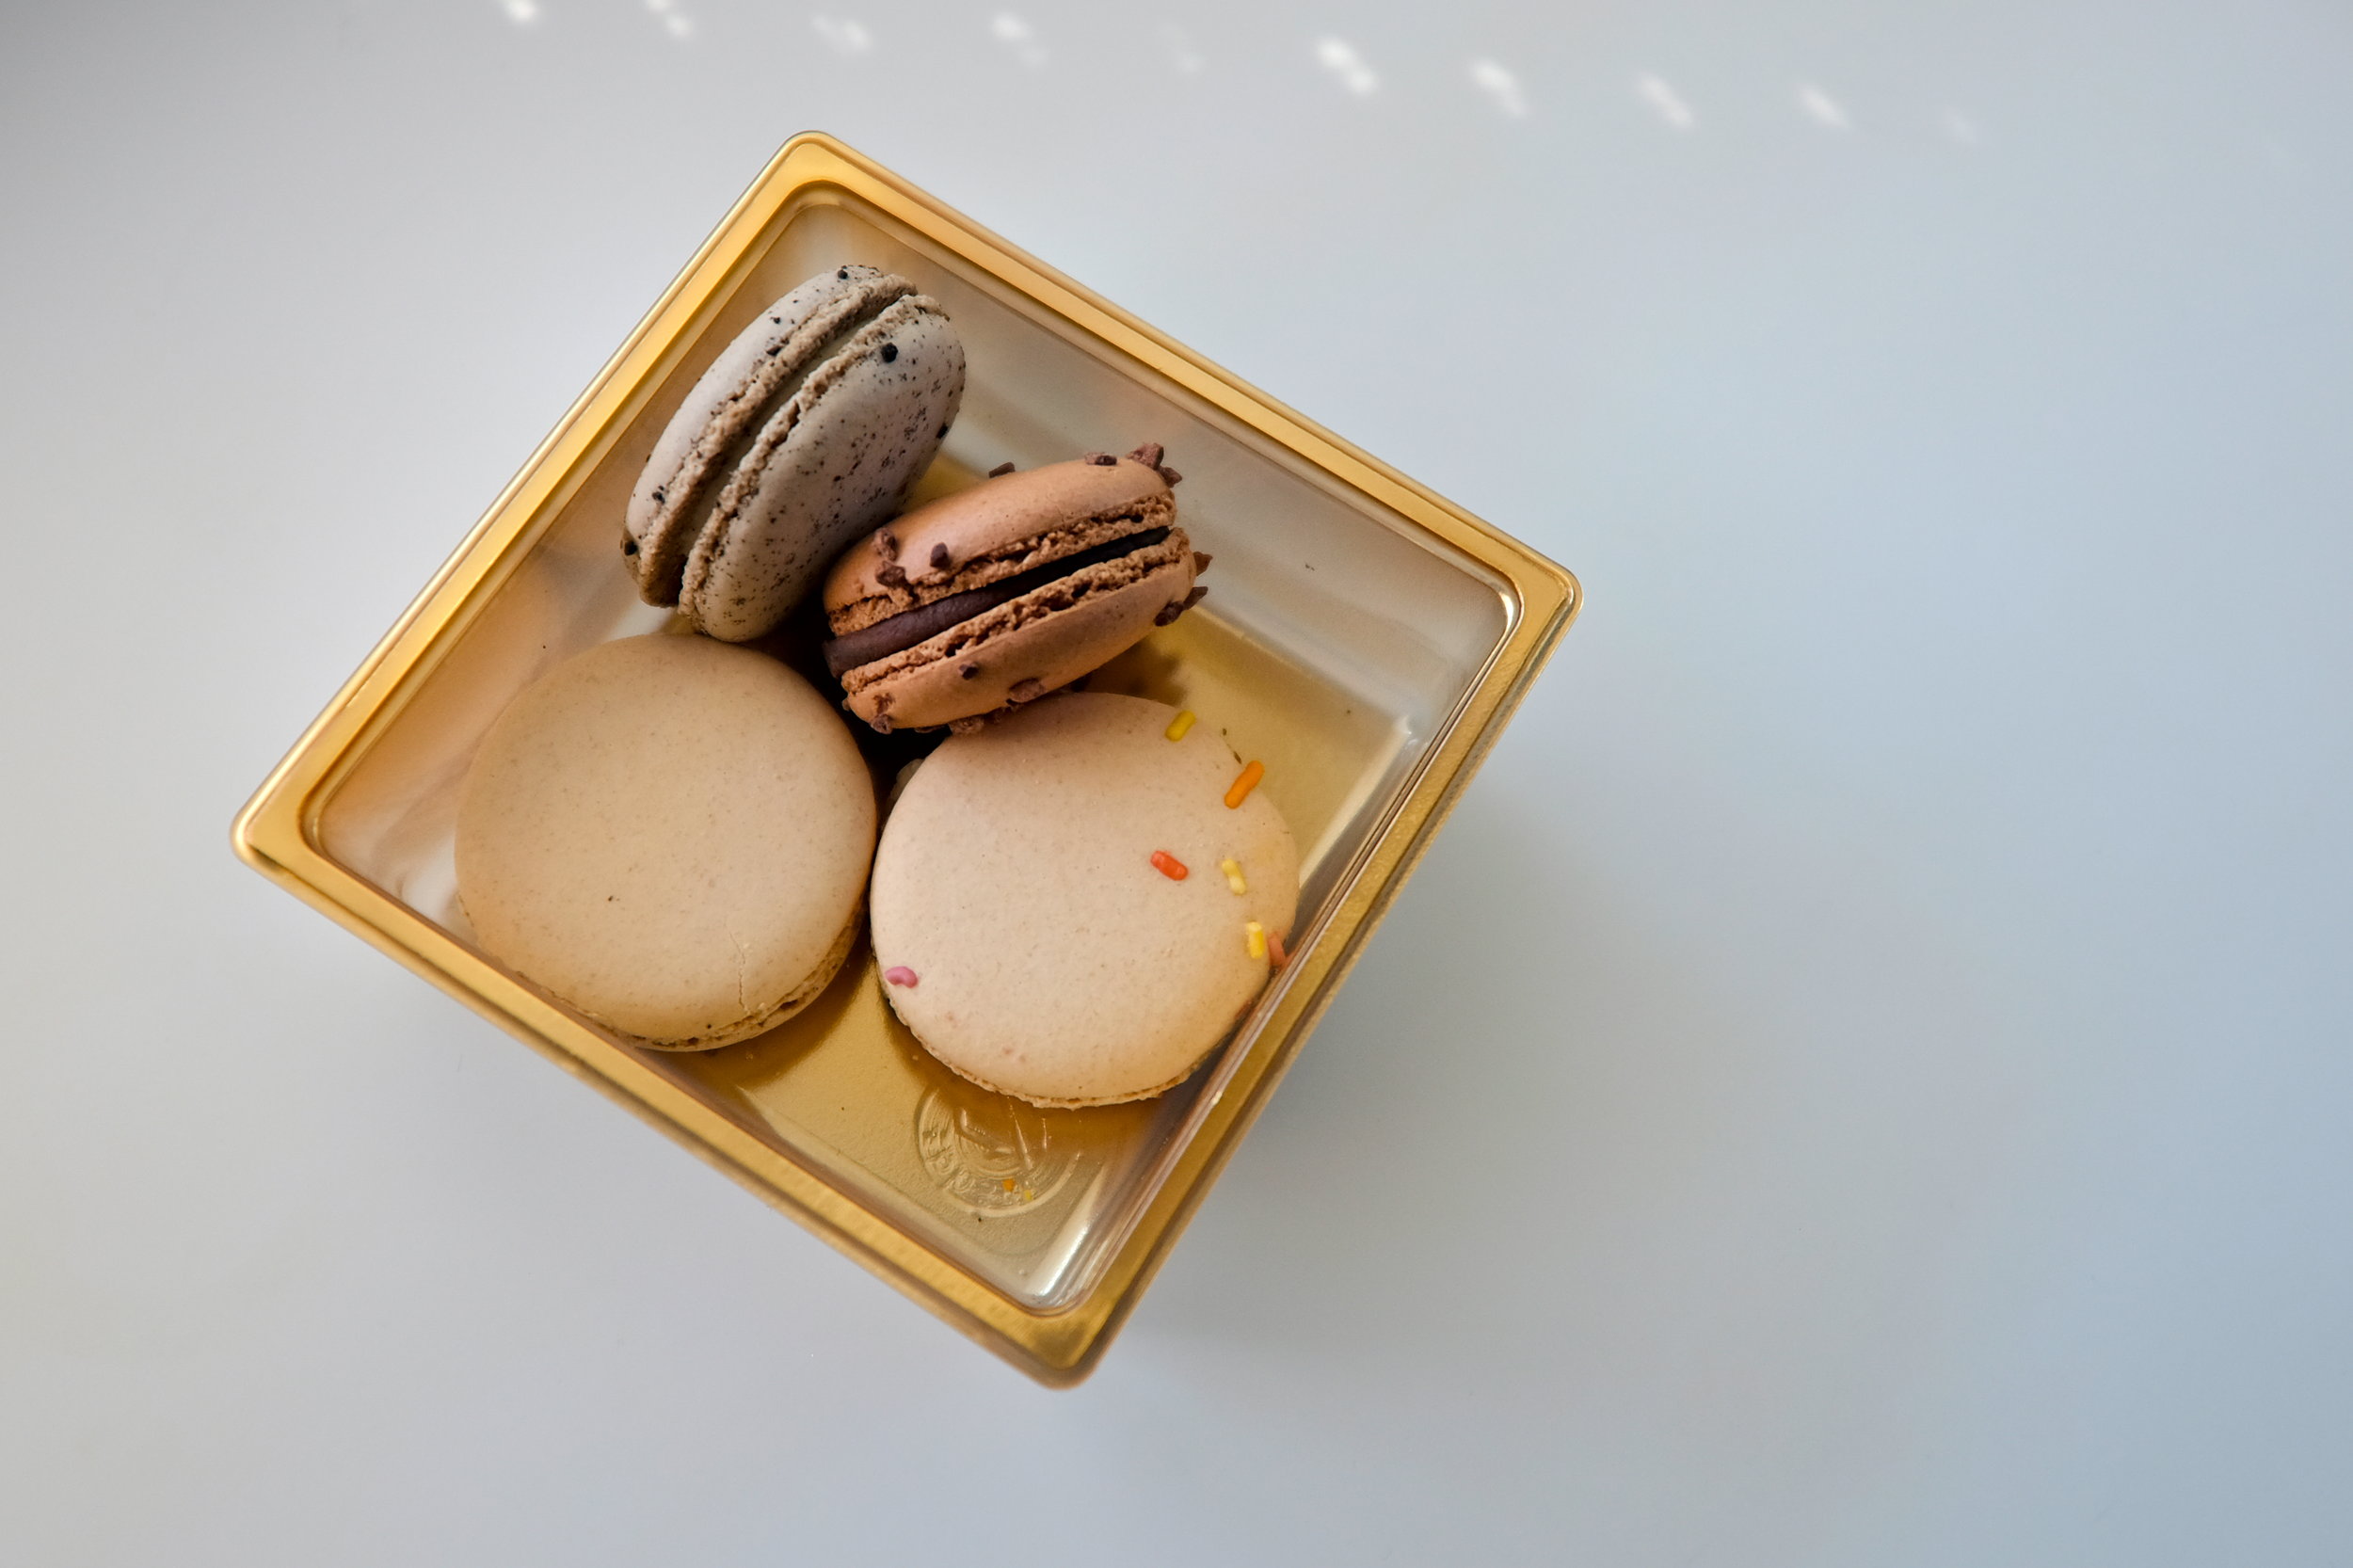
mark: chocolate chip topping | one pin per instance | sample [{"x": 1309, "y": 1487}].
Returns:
[
  {"x": 1001, "y": 470},
  {"x": 1201, "y": 559},
  {"x": 890, "y": 352},
  {"x": 1100, "y": 459},
  {"x": 891, "y": 575},
  {"x": 886, "y": 542},
  {"x": 1149, "y": 454},
  {"x": 939, "y": 557},
  {"x": 1175, "y": 607},
  {"x": 970, "y": 670},
  {"x": 925, "y": 621}
]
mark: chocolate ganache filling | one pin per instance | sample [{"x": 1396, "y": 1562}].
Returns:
[{"x": 926, "y": 622}]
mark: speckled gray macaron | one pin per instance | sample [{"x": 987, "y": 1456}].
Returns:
[{"x": 805, "y": 433}]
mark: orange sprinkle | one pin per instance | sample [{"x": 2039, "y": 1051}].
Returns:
[
  {"x": 1244, "y": 785},
  {"x": 1169, "y": 866},
  {"x": 1177, "y": 726},
  {"x": 1255, "y": 935},
  {"x": 1274, "y": 949}
]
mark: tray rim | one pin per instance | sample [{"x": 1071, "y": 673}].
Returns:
[{"x": 278, "y": 832}]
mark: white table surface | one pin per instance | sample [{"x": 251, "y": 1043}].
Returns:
[{"x": 1861, "y": 1080}]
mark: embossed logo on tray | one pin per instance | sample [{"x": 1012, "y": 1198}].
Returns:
[{"x": 992, "y": 1154}]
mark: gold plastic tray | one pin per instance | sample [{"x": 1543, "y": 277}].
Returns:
[{"x": 1362, "y": 636}]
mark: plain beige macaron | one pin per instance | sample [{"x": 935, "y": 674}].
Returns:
[
  {"x": 671, "y": 835},
  {"x": 1025, "y": 931}
]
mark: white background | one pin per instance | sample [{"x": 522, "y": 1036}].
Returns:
[{"x": 1863, "y": 1080}]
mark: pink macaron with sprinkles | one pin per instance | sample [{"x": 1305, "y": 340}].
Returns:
[{"x": 1075, "y": 904}]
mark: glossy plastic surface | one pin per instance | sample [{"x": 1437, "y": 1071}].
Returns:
[
  {"x": 1333, "y": 645},
  {"x": 1362, "y": 639}
]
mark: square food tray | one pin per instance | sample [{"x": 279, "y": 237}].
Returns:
[{"x": 1364, "y": 638}]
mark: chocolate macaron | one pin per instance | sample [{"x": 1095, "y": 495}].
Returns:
[{"x": 999, "y": 594}]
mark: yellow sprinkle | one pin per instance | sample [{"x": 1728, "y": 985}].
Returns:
[
  {"x": 1008, "y": 1184},
  {"x": 1233, "y": 877},
  {"x": 1255, "y": 934},
  {"x": 1182, "y": 722}
]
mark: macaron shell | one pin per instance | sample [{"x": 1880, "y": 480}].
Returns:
[
  {"x": 995, "y": 515},
  {"x": 687, "y": 462},
  {"x": 809, "y": 989},
  {"x": 1052, "y": 960},
  {"x": 1053, "y": 650},
  {"x": 669, "y": 833},
  {"x": 829, "y": 467}
]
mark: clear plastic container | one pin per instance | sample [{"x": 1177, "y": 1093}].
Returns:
[{"x": 1360, "y": 637}]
